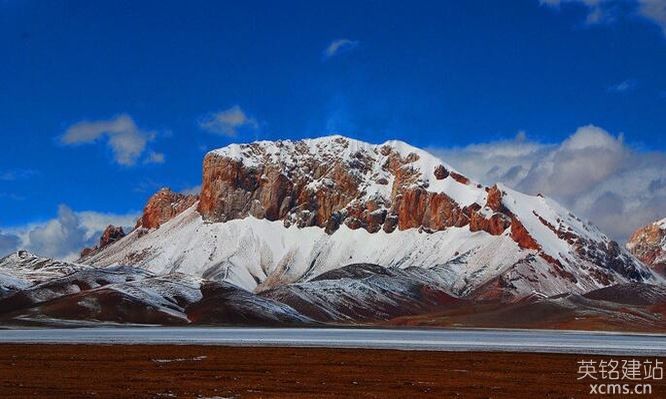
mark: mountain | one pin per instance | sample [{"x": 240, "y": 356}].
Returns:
[
  {"x": 635, "y": 307},
  {"x": 73, "y": 295},
  {"x": 333, "y": 231},
  {"x": 649, "y": 245},
  {"x": 272, "y": 214},
  {"x": 110, "y": 235},
  {"x": 42, "y": 291}
]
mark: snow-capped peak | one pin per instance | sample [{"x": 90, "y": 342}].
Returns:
[
  {"x": 368, "y": 163},
  {"x": 272, "y": 213}
]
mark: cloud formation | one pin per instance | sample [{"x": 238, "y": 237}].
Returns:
[
  {"x": 122, "y": 135},
  {"x": 655, "y": 11},
  {"x": 592, "y": 172},
  {"x": 624, "y": 86},
  {"x": 339, "y": 46},
  {"x": 597, "y": 10},
  {"x": 155, "y": 157},
  {"x": 16, "y": 174},
  {"x": 64, "y": 236},
  {"x": 228, "y": 122},
  {"x": 608, "y": 11}
]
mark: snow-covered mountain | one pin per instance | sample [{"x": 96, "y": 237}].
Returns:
[
  {"x": 272, "y": 214},
  {"x": 41, "y": 291},
  {"x": 649, "y": 245}
]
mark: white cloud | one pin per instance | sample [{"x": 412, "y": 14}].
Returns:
[
  {"x": 605, "y": 11},
  {"x": 64, "y": 236},
  {"x": 339, "y": 46},
  {"x": 155, "y": 157},
  {"x": 624, "y": 86},
  {"x": 11, "y": 196},
  {"x": 592, "y": 172},
  {"x": 655, "y": 11},
  {"x": 16, "y": 174},
  {"x": 123, "y": 136},
  {"x": 598, "y": 11},
  {"x": 228, "y": 122}
]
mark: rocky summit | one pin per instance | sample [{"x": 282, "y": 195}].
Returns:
[{"x": 283, "y": 212}]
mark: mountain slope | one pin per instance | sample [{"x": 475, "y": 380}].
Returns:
[
  {"x": 52, "y": 293},
  {"x": 649, "y": 245},
  {"x": 276, "y": 213},
  {"x": 632, "y": 307}
]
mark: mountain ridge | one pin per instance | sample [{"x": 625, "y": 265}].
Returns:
[
  {"x": 275, "y": 213},
  {"x": 334, "y": 231}
]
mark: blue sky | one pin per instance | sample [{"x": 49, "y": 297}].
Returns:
[{"x": 102, "y": 103}]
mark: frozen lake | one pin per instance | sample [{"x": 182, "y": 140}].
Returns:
[{"x": 402, "y": 339}]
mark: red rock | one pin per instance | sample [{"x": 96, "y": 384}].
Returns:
[
  {"x": 164, "y": 206},
  {"x": 411, "y": 208},
  {"x": 442, "y": 212},
  {"x": 390, "y": 223},
  {"x": 521, "y": 236},
  {"x": 110, "y": 235},
  {"x": 86, "y": 252},
  {"x": 459, "y": 178},
  {"x": 441, "y": 172},
  {"x": 232, "y": 190},
  {"x": 496, "y": 224},
  {"x": 647, "y": 244},
  {"x": 494, "y": 200},
  {"x": 308, "y": 190}
]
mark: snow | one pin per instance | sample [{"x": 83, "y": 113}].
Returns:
[
  {"x": 164, "y": 291},
  {"x": 291, "y": 155},
  {"x": 529, "y": 208},
  {"x": 11, "y": 283},
  {"x": 661, "y": 258},
  {"x": 59, "y": 286},
  {"x": 661, "y": 223},
  {"x": 26, "y": 266},
  {"x": 257, "y": 254}
]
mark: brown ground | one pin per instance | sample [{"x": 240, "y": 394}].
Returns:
[{"x": 73, "y": 371}]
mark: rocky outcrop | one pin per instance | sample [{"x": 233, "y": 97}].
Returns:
[
  {"x": 336, "y": 181},
  {"x": 373, "y": 190},
  {"x": 164, "y": 206},
  {"x": 419, "y": 212},
  {"x": 86, "y": 252},
  {"x": 110, "y": 235},
  {"x": 520, "y": 235},
  {"x": 649, "y": 245},
  {"x": 160, "y": 208},
  {"x": 440, "y": 172},
  {"x": 231, "y": 190}
]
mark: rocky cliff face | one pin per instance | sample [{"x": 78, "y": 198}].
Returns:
[
  {"x": 333, "y": 181},
  {"x": 163, "y": 206},
  {"x": 110, "y": 235},
  {"x": 649, "y": 245},
  {"x": 328, "y": 183},
  {"x": 160, "y": 208}
]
